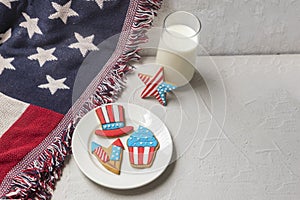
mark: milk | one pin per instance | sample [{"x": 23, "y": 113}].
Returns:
[{"x": 177, "y": 53}]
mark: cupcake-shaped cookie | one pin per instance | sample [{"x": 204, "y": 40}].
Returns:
[{"x": 142, "y": 147}]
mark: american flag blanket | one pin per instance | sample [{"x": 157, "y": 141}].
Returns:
[{"x": 43, "y": 45}]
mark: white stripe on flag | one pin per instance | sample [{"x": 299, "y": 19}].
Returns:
[
  {"x": 10, "y": 111},
  {"x": 104, "y": 111},
  {"x": 146, "y": 155},
  {"x": 135, "y": 155},
  {"x": 116, "y": 112}
]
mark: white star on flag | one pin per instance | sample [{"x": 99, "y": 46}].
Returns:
[
  {"x": 5, "y": 63},
  {"x": 63, "y": 12},
  {"x": 7, "y": 3},
  {"x": 84, "y": 44},
  {"x": 31, "y": 24},
  {"x": 53, "y": 85},
  {"x": 100, "y": 3},
  {"x": 5, "y": 36},
  {"x": 43, "y": 56}
]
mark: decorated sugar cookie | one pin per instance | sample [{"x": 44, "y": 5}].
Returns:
[
  {"x": 142, "y": 147},
  {"x": 156, "y": 87},
  {"x": 110, "y": 157},
  {"x": 112, "y": 121}
]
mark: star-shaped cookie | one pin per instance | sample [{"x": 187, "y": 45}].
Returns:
[{"x": 155, "y": 86}]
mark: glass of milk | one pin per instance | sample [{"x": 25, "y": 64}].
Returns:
[{"x": 177, "y": 48}]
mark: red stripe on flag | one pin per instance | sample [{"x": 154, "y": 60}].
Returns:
[
  {"x": 151, "y": 153},
  {"x": 24, "y": 135},
  {"x": 140, "y": 155},
  {"x": 130, "y": 149},
  {"x": 110, "y": 112},
  {"x": 100, "y": 115},
  {"x": 121, "y": 113}
]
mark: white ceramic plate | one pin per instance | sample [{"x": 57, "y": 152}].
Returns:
[{"x": 129, "y": 177}]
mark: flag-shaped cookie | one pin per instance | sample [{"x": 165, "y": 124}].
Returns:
[{"x": 110, "y": 157}]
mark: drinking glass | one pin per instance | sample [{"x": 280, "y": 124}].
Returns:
[{"x": 177, "y": 48}]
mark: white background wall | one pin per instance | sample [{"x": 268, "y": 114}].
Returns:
[{"x": 232, "y": 27}]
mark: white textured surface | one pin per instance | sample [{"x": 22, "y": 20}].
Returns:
[
  {"x": 243, "y": 26},
  {"x": 255, "y": 156}
]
